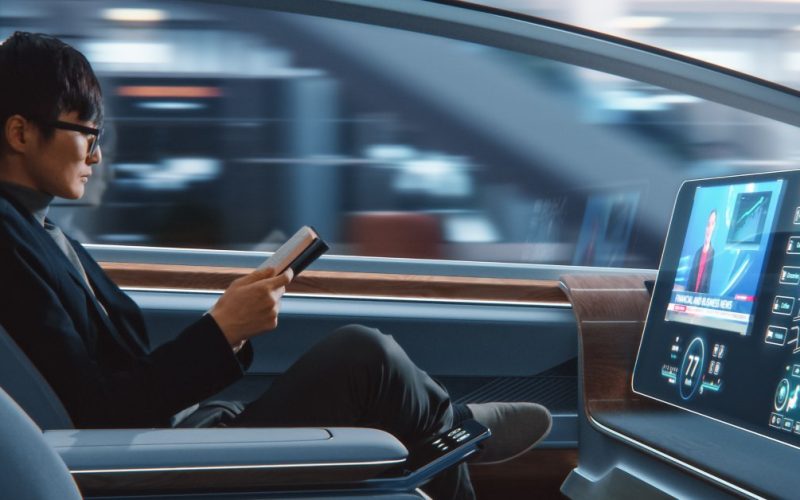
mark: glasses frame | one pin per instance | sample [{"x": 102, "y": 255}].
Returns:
[{"x": 90, "y": 131}]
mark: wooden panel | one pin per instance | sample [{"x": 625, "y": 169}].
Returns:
[
  {"x": 342, "y": 283},
  {"x": 611, "y": 311}
]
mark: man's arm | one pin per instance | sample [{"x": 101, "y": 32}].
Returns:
[{"x": 98, "y": 382}]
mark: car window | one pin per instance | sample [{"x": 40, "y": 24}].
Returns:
[{"x": 229, "y": 128}]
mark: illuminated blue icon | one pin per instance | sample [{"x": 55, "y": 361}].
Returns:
[
  {"x": 776, "y": 335},
  {"x": 789, "y": 275},
  {"x": 792, "y": 403},
  {"x": 781, "y": 395},
  {"x": 783, "y": 305},
  {"x": 793, "y": 247}
]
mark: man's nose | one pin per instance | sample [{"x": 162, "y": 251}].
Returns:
[{"x": 96, "y": 157}]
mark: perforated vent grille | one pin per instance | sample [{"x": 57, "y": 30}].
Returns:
[
  {"x": 551, "y": 391},
  {"x": 555, "y": 388},
  {"x": 558, "y": 393}
]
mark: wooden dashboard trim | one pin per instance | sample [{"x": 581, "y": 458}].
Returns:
[
  {"x": 343, "y": 283},
  {"x": 611, "y": 312}
]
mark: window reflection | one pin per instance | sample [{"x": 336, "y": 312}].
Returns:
[{"x": 229, "y": 128}]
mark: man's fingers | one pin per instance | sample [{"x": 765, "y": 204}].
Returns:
[
  {"x": 258, "y": 275},
  {"x": 281, "y": 280},
  {"x": 289, "y": 273}
]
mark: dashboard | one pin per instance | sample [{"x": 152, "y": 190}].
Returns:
[{"x": 722, "y": 335}]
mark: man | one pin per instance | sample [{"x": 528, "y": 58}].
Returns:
[
  {"x": 703, "y": 262},
  {"x": 89, "y": 339}
]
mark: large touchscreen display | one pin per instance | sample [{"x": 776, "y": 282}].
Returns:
[
  {"x": 722, "y": 337},
  {"x": 722, "y": 255}
]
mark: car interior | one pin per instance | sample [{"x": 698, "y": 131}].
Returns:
[{"x": 566, "y": 274}]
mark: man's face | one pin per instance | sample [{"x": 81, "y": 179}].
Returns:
[
  {"x": 60, "y": 165},
  {"x": 712, "y": 222}
]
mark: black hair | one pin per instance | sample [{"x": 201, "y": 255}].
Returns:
[{"x": 42, "y": 77}]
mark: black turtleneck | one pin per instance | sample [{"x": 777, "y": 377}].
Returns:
[{"x": 36, "y": 202}]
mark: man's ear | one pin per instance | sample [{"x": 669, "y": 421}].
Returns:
[{"x": 17, "y": 133}]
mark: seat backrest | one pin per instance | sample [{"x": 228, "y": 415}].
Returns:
[
  {"x": 23, "y": 382},
  {"x": 31, "y": 468}
]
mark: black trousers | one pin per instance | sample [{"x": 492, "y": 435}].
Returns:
[{"x": 360, "y": 377}]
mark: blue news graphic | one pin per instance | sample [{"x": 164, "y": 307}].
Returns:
[{"x": 723, "y": 255}]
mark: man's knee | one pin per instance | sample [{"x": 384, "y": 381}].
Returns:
[{"x": 365, "y": 343}]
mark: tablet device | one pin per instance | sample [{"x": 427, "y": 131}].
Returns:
[
  {"x": 721, "y": 337},
  {"x": 303, "y": 248}
]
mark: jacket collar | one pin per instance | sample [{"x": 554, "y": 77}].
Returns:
[{"x": 50, "y": 252}]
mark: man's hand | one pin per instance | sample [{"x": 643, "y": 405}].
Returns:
[{"x": 251, "y": 304}]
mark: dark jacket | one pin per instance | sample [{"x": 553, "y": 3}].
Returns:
[
  {"x": 705, "y": 280},
  {"x": 101, "y": 366}
]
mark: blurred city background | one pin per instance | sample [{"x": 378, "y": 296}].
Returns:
[{"x": 229, "y": 128}]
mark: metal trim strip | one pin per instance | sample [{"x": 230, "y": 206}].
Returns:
[
  {"x": 234, "y": 467},
  {"x": 553, "y": 305}
]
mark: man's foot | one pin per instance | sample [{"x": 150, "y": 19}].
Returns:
[{"x": 516, "y": 428}]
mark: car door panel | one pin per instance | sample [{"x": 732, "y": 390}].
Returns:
[
  {"x": 513, "y": 345},
  {"x": 481, "y": 353}
]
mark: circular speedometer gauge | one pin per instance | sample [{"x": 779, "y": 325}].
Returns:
[{"x": 691, "y": 371}]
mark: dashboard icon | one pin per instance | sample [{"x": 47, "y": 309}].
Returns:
[
  {"x": 781, "y": 395},
  {"x": 783, "y": 305},
  {"x": 792, "y": 403},
  {"x": 790, "y": 275},
  {"x": 793, "y": 247},
  {"x": 776, "y": 335}
]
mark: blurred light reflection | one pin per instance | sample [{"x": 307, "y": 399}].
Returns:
[{"x": 229, "y": 127}]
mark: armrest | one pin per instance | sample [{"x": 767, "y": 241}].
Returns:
[{"x": 166, "y": 460}]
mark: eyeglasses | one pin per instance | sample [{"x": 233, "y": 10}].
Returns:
[{"x": 93, "y": 133}]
